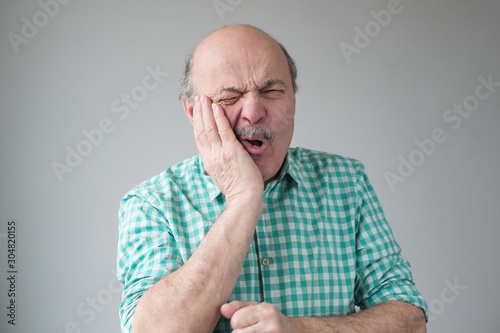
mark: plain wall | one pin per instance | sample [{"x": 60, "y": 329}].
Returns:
[{"x": 370, "y": 98}]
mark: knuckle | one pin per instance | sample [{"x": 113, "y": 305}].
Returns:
[
  {"x": 209, "y": 131},
  {"x": 197, "y": 140},
  {"x": 224, "y": 131},
  {"x": 268, "y": 309},
  {"x": 235, "y": 321}
]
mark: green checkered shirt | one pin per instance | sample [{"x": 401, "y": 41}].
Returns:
[{"x": 322, "y": 245}]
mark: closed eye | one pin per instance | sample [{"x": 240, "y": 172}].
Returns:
[
  {"x": 228, "y": 101},
  {"x": 273, "y": 93}
]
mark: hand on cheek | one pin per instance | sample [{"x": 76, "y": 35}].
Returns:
[{"x": 226, "y": 161}]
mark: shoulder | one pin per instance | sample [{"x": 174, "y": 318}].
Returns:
[
  {"x": 343, "y": 179},
  {"x": 176, "y": 178},
  {"x": 314, "y": 161}
]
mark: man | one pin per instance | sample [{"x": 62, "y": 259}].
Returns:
[{"x": 253, "y": 235}]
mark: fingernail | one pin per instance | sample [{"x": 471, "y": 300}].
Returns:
[
  {"x": 213, "y": 106},
  {"x": 196, "y": 99}
]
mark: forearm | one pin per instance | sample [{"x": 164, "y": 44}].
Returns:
[
  {"x": 189, "y": 299},
  {"x": 388, "y": 317}
]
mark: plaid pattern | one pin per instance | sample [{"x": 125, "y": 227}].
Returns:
[{"x": 321, "y": 247}]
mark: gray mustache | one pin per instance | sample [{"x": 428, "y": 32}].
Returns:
[{"x": 258, "y": 132}]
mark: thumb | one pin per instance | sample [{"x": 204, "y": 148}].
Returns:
[{"x": 229, "y": 309}]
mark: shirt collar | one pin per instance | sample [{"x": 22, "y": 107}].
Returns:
[{"x": 292, "y": 167}]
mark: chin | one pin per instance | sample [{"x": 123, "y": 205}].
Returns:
[{"x": 267, "y": 173}]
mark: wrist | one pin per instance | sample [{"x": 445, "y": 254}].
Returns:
[
  {"x": 247, "y": 202},
  {"x": 247, "y": 197}
]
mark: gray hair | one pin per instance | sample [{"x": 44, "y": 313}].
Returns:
[{"x": 188, "y": 86}]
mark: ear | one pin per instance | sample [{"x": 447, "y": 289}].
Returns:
[{"x": 188, "y": 108}]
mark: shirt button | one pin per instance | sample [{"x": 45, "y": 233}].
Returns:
[{"x": 265, "y": 261}]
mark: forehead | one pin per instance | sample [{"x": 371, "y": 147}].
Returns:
[{"x": 239, "y": 63}]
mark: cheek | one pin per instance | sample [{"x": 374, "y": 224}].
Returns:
[
  {"x": 232, "y": 116},
  {"x": 284, "y": 122}
]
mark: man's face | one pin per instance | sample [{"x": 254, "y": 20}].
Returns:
[{"x": 250, "y": 79}]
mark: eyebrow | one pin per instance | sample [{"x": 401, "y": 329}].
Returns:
[
  {"x": 231, "y": 89},
  {"x": 240, "y": 90},
  {"x": 271, "y": 82}
]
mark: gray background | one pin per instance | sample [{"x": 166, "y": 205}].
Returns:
[{"x": 372, "y": 106}]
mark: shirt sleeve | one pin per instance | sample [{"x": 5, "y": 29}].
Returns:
[
  {"x": 147, "y": 251},
  {"x": 382, "y": 273}
]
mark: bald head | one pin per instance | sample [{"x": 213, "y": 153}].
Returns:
[
  {"x": 229, "y": 49},
  {"x": 235, "y": 36}
]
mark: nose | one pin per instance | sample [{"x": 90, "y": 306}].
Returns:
[{"x": 253, "y": 110}]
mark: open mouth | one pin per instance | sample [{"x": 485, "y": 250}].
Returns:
[
  {"x": 256, "y": 143},
  {"x": 254, "y": 139},
  {"x": 254, "y": 146}
]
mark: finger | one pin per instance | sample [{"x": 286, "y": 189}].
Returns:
[
  {"x": 225, "y": 131},
  {"x": 228, "y": 309},
  {"x": 245, "y": 321},
  {"x": 257, "y": 328},
  {"x": 246, "y": 316},
  {"x": 210, "y": 126},
  {"x": 199, "y": 132}
]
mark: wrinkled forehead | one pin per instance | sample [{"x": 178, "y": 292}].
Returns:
[{"x": 238, "y": 62}]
